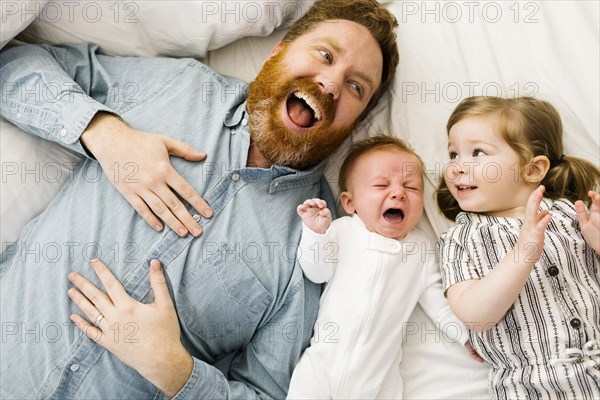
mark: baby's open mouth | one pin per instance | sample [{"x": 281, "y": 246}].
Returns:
[
  {"x": 394, "y": 215},
  {"x": 465, "y": 187},
  {"x": 303, "y": 109}
]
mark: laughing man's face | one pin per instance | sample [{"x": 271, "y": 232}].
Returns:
[{"x": 310, "y": 93}]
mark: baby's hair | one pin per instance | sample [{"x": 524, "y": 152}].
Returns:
[
  {"x": 532, "y": 127},
  {"x": 363, "y": 146}
]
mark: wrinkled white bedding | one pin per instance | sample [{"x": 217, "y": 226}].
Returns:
[{"x": 449, "y": 50}]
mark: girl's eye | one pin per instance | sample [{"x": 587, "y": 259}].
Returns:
[
  {"x": 453, "y": 155},
  {"x": 478, "y": 153},
  {"x": 327, "y": 56}
]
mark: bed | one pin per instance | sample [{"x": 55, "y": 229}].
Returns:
[{"x": 448, "y": 51}]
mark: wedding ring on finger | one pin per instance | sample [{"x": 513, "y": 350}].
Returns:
[{"x": 98, "y": 319}]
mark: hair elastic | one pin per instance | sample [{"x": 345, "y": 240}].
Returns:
[{"x": 559, "y": 161}]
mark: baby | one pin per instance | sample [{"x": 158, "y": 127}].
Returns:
[{"x": 377, "y": 266}]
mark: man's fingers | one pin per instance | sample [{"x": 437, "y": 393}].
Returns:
[
  {"x": 97, "y": 297},
  {"x": 84, "y": 326},
  {"x": 163, "y": 212},
  {"x": 158, "y": 282},
  {"x": 140, "y": 206},
  {"x": 113, "y": 287},
  {"x": 190, "y": 195},
  {"x": 179, "y": 211},
  {"x": 181, "y": 149},
  {"x": 85, "y": 305}
]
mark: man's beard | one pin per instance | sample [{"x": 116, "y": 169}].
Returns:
[{"x": 266, "y": 95}]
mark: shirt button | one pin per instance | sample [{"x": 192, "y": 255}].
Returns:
[
  {"x": 74, "y": 367},
  {"x": 196, "y": 217},
  {"x": 19, "y": 115},
  {"x": 553, "y": 270},
  {"x": 235, "y": 177},
  {"x": 233, "y": 131},
  {"x": 395, "y": 246},
  {"x": 576, "y": 323},
  {"x": 244, "y": 122},
  {"x": 63, "y": 132}
]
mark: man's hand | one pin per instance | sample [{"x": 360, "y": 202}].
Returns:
[
  {"x": 143, "y": 336},
  {"x": 137, "y": 164},
  {"x": 315, "y": 215},
  {"x": 590, "y": 222}
]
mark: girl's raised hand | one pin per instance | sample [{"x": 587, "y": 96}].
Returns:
[
  {"x": 531, "y": 236},
  {"x": 590, "y": 222},
  {"x": 315, "y": 215}
]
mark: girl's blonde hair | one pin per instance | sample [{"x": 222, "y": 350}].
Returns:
[{"x": 532, "y": 128}]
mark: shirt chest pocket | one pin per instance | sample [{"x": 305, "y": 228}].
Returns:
[{"x": 220, "y": 300}]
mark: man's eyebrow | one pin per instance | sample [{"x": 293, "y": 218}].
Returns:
[{"x": 331, "y": 42}]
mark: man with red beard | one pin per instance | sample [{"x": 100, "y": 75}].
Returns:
[{"x": 237, "y": 289}]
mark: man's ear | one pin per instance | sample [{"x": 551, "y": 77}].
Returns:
[
  {"x": 347, "y": 202},
  {"x": 275, "y": 50},
  {"x": 537, "y": 169}
]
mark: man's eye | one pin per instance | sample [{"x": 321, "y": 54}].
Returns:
[
  {"x": 326, "y": 55},
  {"x": 357, "y": 88}
]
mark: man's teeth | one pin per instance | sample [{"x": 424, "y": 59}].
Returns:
[
  {"x": 467, "y": 187},
  {"x": 310, "y": 102}
]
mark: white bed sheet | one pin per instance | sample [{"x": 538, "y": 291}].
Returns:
[{"x": 449, "y": 50}]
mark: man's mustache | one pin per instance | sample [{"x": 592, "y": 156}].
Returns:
[{"x": 324, "y": 101}]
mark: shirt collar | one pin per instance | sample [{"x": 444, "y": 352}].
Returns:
[
  {"x": 466, "y": 217},
  {"x": 235, "y": 115}
]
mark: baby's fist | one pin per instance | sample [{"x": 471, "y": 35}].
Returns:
[{"x": 315, "y": 215}]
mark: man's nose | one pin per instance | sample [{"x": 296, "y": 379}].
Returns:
[{"x": 330, "y": 85}]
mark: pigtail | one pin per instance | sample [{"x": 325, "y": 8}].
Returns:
[{"x": 571, "y": 178}]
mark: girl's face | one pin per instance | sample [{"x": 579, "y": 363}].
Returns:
[{"x": 484, "y": 174}]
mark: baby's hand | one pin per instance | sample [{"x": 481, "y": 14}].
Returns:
[
  {"x": 472, "y": 352},
  {"x": 531, "y": 237},
  {"x": 590, "y": 222},
  {"x": 315, "y": 215}
]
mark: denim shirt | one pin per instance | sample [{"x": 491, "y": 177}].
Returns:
[{"x": 237, "y": 289}]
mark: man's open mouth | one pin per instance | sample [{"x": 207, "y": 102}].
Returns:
[
  {"x": 302, "y": 109},
  {"x": 393, "y": 215},
  {"x": 464, "y": 188}
]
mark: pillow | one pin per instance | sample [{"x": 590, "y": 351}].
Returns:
[
  {"x": 160, "y": 28},
  {"x": 451, "y": 51},
  {"x": 16, "y": 16}
]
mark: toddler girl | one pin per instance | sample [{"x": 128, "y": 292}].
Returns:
[{"x": 521, "y": 267}]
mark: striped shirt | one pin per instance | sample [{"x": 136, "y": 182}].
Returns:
[{"x": 547, "y": 346}]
